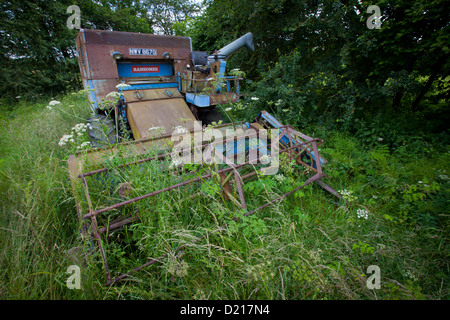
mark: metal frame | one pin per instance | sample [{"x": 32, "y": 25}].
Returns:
[{"x": 299, "y": 144}]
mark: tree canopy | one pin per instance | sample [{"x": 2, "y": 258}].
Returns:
[
  {"x": 37, "y": 56},
  {"x": 318, "y": 57}
]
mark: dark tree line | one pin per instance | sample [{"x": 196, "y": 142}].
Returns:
[
  {"x": 37, "y": 49},
  {"x": 318, "y": 58},
  {"x": 322, "y": 57}
]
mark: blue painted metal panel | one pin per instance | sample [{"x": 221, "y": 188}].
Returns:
[
  {"x": 92, "y": 96},
  {"x": 129, "y": 69},
  {"x": 285, "y": 139},
  {"x": 222, "y": 67},
  {"x": 198, "y": 99},
  {"x": 151, "y": 86}
]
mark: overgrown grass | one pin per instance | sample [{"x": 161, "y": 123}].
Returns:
[{"x": 306, "y": 247}]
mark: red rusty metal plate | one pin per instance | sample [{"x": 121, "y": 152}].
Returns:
[{"x": 166, "y": 113}]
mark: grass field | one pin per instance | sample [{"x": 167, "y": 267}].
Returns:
[{"x": 306, "y": 247}]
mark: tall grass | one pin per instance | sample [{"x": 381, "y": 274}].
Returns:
[
  {"x": 306, "y": 247},
  {"x": 38, "y": 225}
]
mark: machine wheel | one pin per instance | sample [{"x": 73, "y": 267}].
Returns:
[{"x": 103, "y": 131}]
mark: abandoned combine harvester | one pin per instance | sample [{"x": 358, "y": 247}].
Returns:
[{"x": 162, "y": 84}]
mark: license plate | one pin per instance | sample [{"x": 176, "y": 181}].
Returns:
[{"x": 142, "y": 52}]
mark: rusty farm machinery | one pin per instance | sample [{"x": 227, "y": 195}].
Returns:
[{"x": 166, "y": 107}]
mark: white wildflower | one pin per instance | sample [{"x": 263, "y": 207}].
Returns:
[
  {"x": 344, "y": 192},
  {"x": 228, "y": 109},
  {"x": 362, "y": 213},
  {"x": 255, "y": 98},
  {"x": 409, "y": 274},
  {"x": 265, "y": 159},
  {"x": 380, "y": 139},
  {"x": 80, "y": 127},
  {"x": 154, "y": 131},
  {"x": 175, "y": 163},
  {"x": 53, "y": 103},
  {"x": 84, "y": 145},
  {"x": 180, "y": 129},
  {"x": 279, "y": 177},
  {"x": 122, "y": 86},
  {"x": 49, "y": 108},
  {"x": 113, "y": 94},
  {"x": 419, "y": 182},
  {"x": 65, "y": 138}
]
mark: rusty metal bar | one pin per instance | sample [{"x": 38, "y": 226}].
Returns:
[
  {"x": 161, "y": 156},
  {"x": 238, "y": 180},
  {"x": 237, "y": 177},
  {"x": 95, "y": 230},
  {"x": 117, "y": 224},
  {"x": 123, "y": 276},
  {"x": 118, "y": 205}
]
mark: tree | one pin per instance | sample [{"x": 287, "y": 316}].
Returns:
[
  {"x": 321, "y": 55},
  {"x": 37, "y": 49}
]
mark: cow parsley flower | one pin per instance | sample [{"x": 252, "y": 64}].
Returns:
[
  {"x": 65, "y": 139},
  {"x": 362, "y": 213},
  {"x": 265, "y": 159},
  {"x": 347, "y": 195},
  {"x": 180, "y": 129},
  {"x": 122, "y": 86},
  {"x": 175, "y": 163},
  {"x": 113, "y": 94},
  {"x": 53, "y": 103},
  {"x": 80, "y": 127}
]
